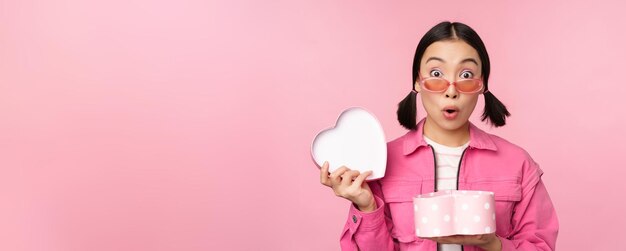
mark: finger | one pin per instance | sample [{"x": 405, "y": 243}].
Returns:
[
  {"x": 347, "y": 177},
  {"x": 335, "y": 177},
  {"x": 442, "y": 240},
  {"x": 435, "y": 239},
  {"x": 324, "y": 174},
  {"x": 359, "y": 180},
  {"x": 452, "y": 239}
]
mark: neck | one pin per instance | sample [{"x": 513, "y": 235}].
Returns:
[{"x": 452, "y": 138}]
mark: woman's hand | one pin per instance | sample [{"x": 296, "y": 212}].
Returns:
[
  {"x": 349, "y": 184},
  {"x": 489, "y": 242}
]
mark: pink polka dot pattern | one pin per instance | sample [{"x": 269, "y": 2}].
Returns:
[{"x": 472, "y": 212}]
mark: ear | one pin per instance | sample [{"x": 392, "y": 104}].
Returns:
[{"x": 416, "y": 86}]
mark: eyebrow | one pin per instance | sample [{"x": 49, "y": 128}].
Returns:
[{"x": 443, "y": 61}]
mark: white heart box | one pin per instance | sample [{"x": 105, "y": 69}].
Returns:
[{"x": 357, "y": 141}]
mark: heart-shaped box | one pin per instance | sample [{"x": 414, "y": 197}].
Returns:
[
  {"x": 452, "y": 212},
  {"x": 357, "y": 141}
]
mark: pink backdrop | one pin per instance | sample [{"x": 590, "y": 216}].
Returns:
[{"x": 186, "y": 125}]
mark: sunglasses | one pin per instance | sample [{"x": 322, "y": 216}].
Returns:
[{"x": 435, "y": 84}]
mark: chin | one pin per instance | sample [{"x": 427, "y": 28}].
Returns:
[{"x": 451, "y": 125}]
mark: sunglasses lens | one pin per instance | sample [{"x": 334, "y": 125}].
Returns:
[
  {"x": 469, "y": 85},
  {"x": 435, "y": 84}
]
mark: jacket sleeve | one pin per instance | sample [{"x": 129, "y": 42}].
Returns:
[
  {"x": 368, "y": 231},
  {"x": 534, "y": 221}
]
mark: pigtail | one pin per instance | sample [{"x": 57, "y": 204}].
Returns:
[
  {"x": 495, "y": 110},
  {"x": 407, "y": 111}
]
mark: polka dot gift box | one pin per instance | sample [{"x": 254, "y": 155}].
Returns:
[{"x": 453, "y": 212}]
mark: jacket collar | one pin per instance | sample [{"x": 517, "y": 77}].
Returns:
[{"x": 478, "y": 139}]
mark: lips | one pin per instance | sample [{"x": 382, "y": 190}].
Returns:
[{"x": 450, "y": 112}]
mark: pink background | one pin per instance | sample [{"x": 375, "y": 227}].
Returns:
[{"x": 186, "y": 125}]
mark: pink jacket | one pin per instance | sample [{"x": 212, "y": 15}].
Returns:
[{"x": 525, "y": 216}]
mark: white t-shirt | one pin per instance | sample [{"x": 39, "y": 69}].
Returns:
[{"x": 447, "y": 160}]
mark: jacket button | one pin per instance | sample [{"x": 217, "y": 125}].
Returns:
[{"x": 354, "y": 218}]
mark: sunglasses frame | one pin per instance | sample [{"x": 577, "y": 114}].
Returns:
[{"x": 423, "y": 80}]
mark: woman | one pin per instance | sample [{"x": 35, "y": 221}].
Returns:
[{"x": 446, "y": 151}]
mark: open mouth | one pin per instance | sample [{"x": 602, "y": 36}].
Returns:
[{"x": 450, "y": 112}]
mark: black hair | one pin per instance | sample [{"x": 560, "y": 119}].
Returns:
[{"x": 494, "y": 109}]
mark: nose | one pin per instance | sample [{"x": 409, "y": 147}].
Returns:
[{"x": 451, "y": 92}]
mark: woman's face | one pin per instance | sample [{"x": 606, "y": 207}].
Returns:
[{"x": 452, "y": 60}]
